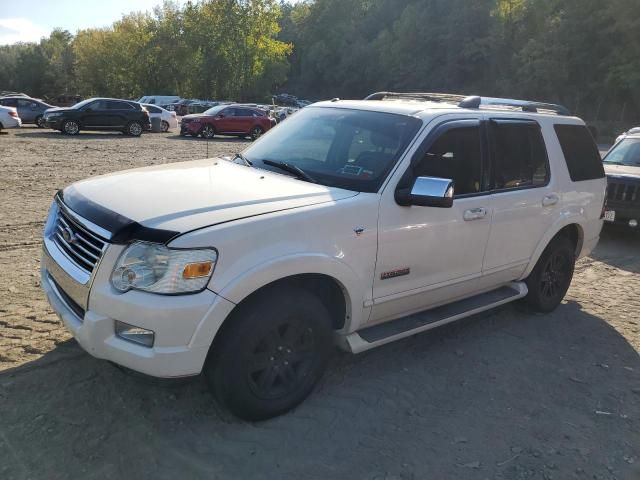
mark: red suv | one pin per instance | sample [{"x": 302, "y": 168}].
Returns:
[{"x": 236, "y": 120}]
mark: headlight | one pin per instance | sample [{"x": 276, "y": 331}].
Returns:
[{"x": 158, "y": 269}]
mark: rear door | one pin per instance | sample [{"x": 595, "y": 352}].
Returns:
[
  {"x": 118, "y": 113},
  {"x": 27, "y": 110},
  {"x": 243, "y": 120},
  {"x": 524, "y": 197}
]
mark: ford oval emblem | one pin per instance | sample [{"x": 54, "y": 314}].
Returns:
[{"x": 68, "y": 235}]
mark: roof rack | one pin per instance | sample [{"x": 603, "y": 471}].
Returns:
[
  {"x": 524, "y": 105},
  {"x": 425, "y": 97},
  {"x": 474, "y": 102}
]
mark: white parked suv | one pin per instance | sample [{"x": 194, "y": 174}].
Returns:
[{"x": 354, "y": 222}]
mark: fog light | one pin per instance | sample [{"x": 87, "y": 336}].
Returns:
[
  {"x": 633, "y": 223},
  {"x": 134, "y": 334}
]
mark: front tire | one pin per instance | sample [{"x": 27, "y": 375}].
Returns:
[
  {"x": 272, "y": 353},
  {"x": 550, "y": 279},
  {"x": 134, "y": 129},
  {"x": 70, "y": 127},
  {"x": 207, "y": 132}
]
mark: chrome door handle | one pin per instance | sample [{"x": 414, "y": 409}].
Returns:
[
  {"x": 474, "y": 214},
  {"x": 550, "y": 200}
]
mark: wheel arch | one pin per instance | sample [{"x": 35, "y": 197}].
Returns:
[{"x": 569, "y": 228}]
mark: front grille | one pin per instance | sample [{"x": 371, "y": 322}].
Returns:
[
  {"x": 81, "y": 246},
  {"x": 627, "y": 192},
  {"x": 73, "y": 306}
]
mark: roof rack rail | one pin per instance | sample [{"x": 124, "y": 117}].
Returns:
[
  {"x": 474, "y": 102},
  {"x": 423, "y": 96},
  {"x": 524, "y": 105}
]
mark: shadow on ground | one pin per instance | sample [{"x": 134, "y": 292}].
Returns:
[
  {"x": 619, "y": 248},
  {"x": 217, "y": 138},
  {"x": 503, "y": 395}
]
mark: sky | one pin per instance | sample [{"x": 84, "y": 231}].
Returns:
[{"x": 29, "y": 20}]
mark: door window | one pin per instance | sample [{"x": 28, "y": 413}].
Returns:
[
  {"x": 114, "y": 105},
  {"x": 455, "y": 155},
  {"x": 26, "y": 104},
  {"x": 519, "y": 155}
]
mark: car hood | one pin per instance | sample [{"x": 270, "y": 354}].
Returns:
[
  {"x": 191, "y": 116},
  {"x": 158, "y": 203},
  {"x": 622, "y": 170},
  {"x": 57, "y": 109}
]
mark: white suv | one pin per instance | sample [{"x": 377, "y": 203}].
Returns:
[{"x": 354, "y": 222}]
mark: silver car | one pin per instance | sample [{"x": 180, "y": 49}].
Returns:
[{"x": 30, "y": 110}]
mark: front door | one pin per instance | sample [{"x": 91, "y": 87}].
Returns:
[
  {"x": 524, "y": 198},
  {"x": 95, "y": 114},
  {"x": 430, "y": 255}
]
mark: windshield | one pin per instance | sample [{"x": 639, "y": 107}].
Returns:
[
  {"x": 215, "y": 110},
  {"x": 351, "y": 149},
  {"x": 626, "y": 152}
]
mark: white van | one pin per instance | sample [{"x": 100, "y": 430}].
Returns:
[{"x": 159, "y": 99}]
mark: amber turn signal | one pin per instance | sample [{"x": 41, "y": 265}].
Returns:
[{"x": 197, "y": 270}]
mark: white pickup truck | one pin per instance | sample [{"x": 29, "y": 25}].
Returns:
[{"x": 353, "y": 223}]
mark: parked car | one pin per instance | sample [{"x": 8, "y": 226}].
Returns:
[
  {"x": 30, "y": 110},
  {"x": 622, "y": 166},
  {"x": 181, "y": 107},
  {"x": 628, "y": 132},
  {"x": 9, "y": 118},
  {"x": 354, "y": 223},
  {"x": 234, "y": 120},
  {"x": 159, "y": 99},
  {"x": 168, "y": 119},
  {"x": 65, "y": 100},
  {"x": 105, "y": 114}
]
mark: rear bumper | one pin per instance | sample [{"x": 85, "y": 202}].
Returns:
[{"x": 11, "y": 122}]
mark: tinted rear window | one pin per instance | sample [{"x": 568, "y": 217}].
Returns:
[{"x": 580, "y": 152}]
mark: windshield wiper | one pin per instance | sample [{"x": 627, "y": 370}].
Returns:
[
  {"x": 244, "y": 159},
  {"x": 287, "y": 167}
]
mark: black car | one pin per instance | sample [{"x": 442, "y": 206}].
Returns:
[
  {"x": 30, "y": 110},
  {"x": 129, "y": 117},
  {"x": 622, "y": 165}
]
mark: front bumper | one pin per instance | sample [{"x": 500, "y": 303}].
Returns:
[
  {"x": 184, "y": 325},
  {"x": 54, "y": 123},
  {"x": 190, "y": 127}
]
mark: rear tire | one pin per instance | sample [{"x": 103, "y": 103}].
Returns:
[
  {"x": 70, "y": 127},
  {"x": 165, "y": 126},
  {"x": 550, "y": 278},
  {"x": 256, "y": 132},
  {"x": 133, "y": 129},
  {"x": 271, "y": 354},
  {"x": 39, "y": 122}
]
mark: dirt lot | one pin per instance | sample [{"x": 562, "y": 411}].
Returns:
[{"x": 503, "y": 395}]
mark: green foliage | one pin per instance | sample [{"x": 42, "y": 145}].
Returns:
[
  {"x": 582, "y": 53},
  {"x": 207, "y": 49}
]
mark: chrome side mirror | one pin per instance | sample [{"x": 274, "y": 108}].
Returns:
[{"x": 427, "y": 192}]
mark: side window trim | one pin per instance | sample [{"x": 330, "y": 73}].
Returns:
[
  {"x": 492, "y": 152},
  {"x": 436, "y": 132}
]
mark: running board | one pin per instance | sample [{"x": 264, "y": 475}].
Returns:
[{"x": 377, "y": 335}]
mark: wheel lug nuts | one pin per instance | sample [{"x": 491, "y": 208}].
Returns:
[{"x": 272, "y": 359}]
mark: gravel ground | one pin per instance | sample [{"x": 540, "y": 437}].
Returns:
[{"x": 503, "y": 395}]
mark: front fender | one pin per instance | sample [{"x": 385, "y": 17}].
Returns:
[{"x": 280, "y": 268}]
